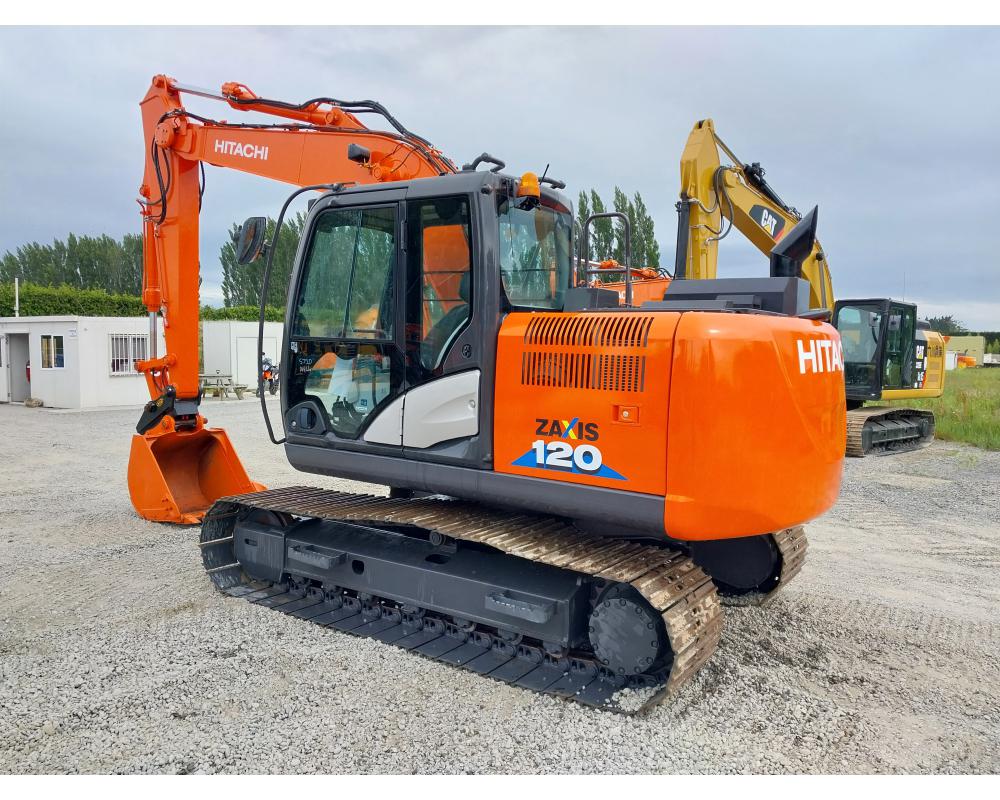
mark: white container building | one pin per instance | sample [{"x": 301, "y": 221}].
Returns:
[
  {"x": 74, "y": 362},
  {"x": 230, "y": 349}
]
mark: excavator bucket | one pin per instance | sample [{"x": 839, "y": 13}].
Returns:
[{"x": 176, "y": 476}]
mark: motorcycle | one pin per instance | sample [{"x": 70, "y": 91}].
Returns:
[{"x": 271, "y": 376}]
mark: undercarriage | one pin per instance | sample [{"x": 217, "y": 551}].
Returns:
[
  {"x": 525, "y": 599},
  {"x": 878, "y": 430}
]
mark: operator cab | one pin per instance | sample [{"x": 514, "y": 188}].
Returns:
[
  {"x": 399, "y": 290},
  {"x": 879, "y": 337}
]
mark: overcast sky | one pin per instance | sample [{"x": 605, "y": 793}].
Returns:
[{"x": 892, "y": 132}]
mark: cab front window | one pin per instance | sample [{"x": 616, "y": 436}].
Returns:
[{"x": 535, "y": 253}]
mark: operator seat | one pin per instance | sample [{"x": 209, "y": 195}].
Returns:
[{"x": 435, "y": 345}]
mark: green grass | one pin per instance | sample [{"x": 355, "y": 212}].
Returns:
[{"x": 969, "y": 409}]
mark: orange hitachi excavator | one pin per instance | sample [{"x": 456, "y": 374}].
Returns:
[{"x": 574, "y": 481}]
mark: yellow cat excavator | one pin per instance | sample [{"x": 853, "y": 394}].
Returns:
[{"x": 888, "y": 353}]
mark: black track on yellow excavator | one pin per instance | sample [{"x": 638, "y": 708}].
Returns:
[{"x": 880, "y": 430}]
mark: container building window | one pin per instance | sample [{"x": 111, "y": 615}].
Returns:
[
  {"x": 52, "y": 352},
  {"x": 126, "y": 349}
]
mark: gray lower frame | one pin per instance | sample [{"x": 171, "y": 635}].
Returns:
[
  {"x": 525, "y": 597},
  {"x": 627, "y": 512}
]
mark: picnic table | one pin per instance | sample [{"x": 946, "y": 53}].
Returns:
[{"x": 220, "y": 386}]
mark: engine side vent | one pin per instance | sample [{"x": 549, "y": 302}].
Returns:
[
  {"x": 608, "y": 372},
  {"x": 589, "y": 330}
]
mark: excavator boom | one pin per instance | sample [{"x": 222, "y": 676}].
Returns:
[
  {"x": 716, "y": 197},
  {"x": 177, "y": 466}
]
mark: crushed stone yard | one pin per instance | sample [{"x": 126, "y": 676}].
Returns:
[{"x": 117, "y": 655}]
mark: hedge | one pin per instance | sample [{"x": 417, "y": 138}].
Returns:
[
  {"x": 48, "y": 301},
  {"x": 243, "y": 313},
  {"x": 52, "y": 301}
]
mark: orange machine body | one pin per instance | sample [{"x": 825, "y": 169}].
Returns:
[{"x": 657, "y": 404}]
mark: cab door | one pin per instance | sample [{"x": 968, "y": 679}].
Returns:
[
  {"x": 441, "y": 407},
  {"x": 862, "y": 327},
  {"x": 345, "y": 332},
  {"x": 900, "y": 361}
]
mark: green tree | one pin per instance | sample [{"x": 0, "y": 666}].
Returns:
[
  {"x": 946, "y": 325},
  {"x": 624, "y": 206},
  {"x": 241, "y": 283},
  {"x": 648, "y": 252},
  {"x": 602, "y": 239},
  {"x": 582, "y": 209},
  {"x": 582, "y": 212},
  {"x": 607, "y": 237},
  {"x": 85, "y": 262},
  {"x": 235, "y": 280}
]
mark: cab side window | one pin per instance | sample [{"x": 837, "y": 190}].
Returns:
[
  {"x": 347, "y": 290},
  {"x": 439, "y": 278}
]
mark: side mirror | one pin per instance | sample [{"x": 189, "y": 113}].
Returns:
[{"x": 250, "y": 242}]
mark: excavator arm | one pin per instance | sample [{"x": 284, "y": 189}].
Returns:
[
  {"x": 716, "y": 197},
  {"x": 178, "y": 467}
]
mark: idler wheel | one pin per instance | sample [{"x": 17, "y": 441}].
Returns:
[{"x": 748, "y": 565}]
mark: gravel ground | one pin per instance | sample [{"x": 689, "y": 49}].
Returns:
[{"x": 116, "y": 655}]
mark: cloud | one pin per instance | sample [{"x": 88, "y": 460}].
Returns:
[{"x": 889, "y": 131}]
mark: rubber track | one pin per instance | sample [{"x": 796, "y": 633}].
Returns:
[
  {"x": 858, "y": 418},
  {"x": 670, "y": 581}
]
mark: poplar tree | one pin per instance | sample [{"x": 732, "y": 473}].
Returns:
[
  {"x": 607, "y": 238},
  {"x": 602, "y": 235},
  {"x": 647, "y": 253},
  {"x": 82, "y": 262},
  {"x": 241, "y": 283}
]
